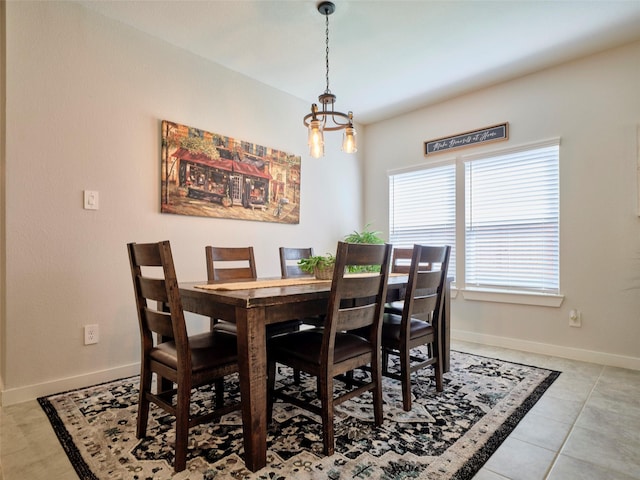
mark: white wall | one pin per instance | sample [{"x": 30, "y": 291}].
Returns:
[
  {"x": 593, "y": 105},
  {"x": 85, "y": 98}
]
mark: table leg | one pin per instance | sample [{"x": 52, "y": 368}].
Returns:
[{"x": 252, "y": 359}]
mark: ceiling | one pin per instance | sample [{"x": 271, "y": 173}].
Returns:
[{"x": 386, "y": 57}]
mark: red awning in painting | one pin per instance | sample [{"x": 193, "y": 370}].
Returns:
[
  {"x": 202, "y": 159},
  {"x": 222, "y": 164},
  {"x": 251, "y": 170}
]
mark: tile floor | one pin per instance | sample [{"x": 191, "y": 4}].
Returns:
[{"x": 586, "y": 427}]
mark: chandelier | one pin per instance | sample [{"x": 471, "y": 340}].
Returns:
[{"x": 328, "y": 119}]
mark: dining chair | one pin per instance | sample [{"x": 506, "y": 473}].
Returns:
[
  {"x": 289, "y": 258},
  {"x": 289, "y": 268},
  {"x": 401, "y": 260},
  {"x": 420, "y": 321},
  {"x": 230, "y": 263},
  {"x": 400, "y": 263},
  {"x": 355, "y": 301},
  {"x": 186, "y": 361},
  {"x": 238, "y": 264}
]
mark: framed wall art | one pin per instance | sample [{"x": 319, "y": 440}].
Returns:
[
  {"x": 210, "y": 175},
  {"x": 467, "y": 139}
]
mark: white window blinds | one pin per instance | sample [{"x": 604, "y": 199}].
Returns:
[
  {"x": 511, "y": 220},
  {"x": 422, "y": 208}
]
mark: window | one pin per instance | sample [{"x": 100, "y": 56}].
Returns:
[
  {"x": 507, "y": 216},
  {"x": 422, "y": 208},
  {"x": 511, "y": 220}
]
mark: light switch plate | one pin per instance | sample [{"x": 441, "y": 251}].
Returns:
[{"x": 91, "y": 200}]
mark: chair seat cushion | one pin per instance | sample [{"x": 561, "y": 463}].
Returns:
[
  {"x": 208, "y": 350},
  {"x": 305, "y": 345},
  {"x": 391, "y": 328}
]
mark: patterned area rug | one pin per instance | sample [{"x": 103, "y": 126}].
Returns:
[{"x": 447, "y": 435}]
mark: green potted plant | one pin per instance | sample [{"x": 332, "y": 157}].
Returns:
[
  {"x": 366, "y": 236},
  {"x": 320, "y": 265}
]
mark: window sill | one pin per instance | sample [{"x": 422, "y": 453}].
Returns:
[{"x": 505, "y": 296}]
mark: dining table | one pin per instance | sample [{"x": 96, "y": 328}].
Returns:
[{"x": 254, "y": 304}]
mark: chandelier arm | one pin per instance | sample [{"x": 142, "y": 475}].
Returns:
[{"x": 333, "y": 115}]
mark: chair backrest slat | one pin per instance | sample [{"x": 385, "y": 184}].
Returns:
[
  {"x": 359, "y": 287},
  {"x": 352, "y": 318},
  {"x": 147, "y": 256},
  {"x": 226, "y": 274},
  {"x": 423, "y": 307},
  {"x": 159, "y": 322},
  {"x": 153, "y": 289},
  {"x": 361, "y": 254}
]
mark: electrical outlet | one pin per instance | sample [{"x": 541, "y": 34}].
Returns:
[
  {"x": 91, "y": 334},
  {"x": 575, "y": 318}
]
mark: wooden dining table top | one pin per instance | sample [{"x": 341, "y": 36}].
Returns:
[{"x": 266, "y": 292}]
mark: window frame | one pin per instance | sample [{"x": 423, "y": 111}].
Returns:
[{"x": 480, "y": 293}]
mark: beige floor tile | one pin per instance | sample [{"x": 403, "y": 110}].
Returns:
[
  {"x": 518, "y": 460},
  {"x": 623, "y": 374},
  {"x": 617, "y": 424},
  {"x": 46, "y": 468},
  {"x": 559, "y": 409},
  {"x": 606, "y": 449},
  {"x": 570, "y": 387},
  {"x": 29, "y": 447},
  {"x": 567, "y": 468},
  {"x": 542, "y": 431},
  {"x": 615, "y": 401},
  {"x": 485, "y": 474},
  {"x": 12, "y": 439},
  {"x": 620, "y": 386}
]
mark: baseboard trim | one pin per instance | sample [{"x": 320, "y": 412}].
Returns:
[
  {"x": 579, "y": 354},
  {"x": 31, "y": 392}
]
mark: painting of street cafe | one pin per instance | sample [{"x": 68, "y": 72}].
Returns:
[{"x": 210, "y": 175}]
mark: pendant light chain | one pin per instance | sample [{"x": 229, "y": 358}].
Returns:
[{"x": 326, "y": 16}]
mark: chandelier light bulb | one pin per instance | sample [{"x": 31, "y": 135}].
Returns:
[
  {"x": 316, "y": 139},
  {"x": 349, "y": 140},
  {"x": 316, "y": 151}
]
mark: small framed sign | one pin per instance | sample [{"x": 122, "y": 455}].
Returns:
[{"x": 467, "y": 139}]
